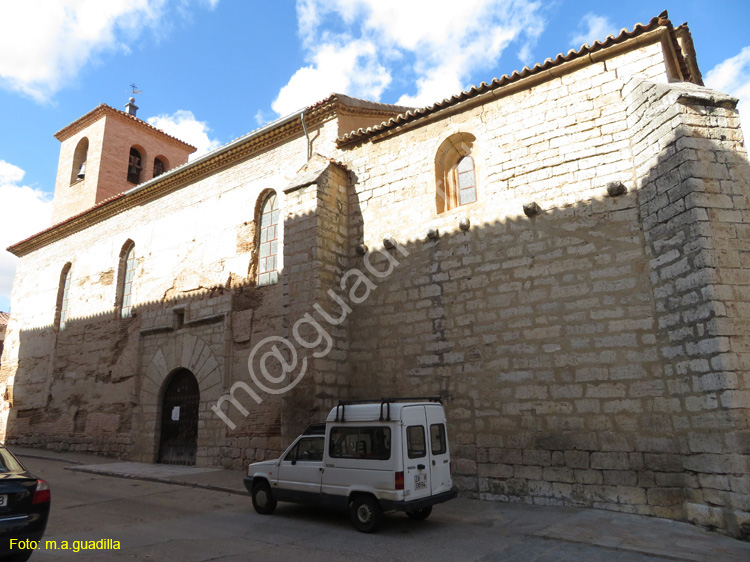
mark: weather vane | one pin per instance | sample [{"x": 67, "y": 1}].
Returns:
[{"x": 135, "y": 89}]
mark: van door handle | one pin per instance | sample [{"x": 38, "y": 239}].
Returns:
[
  {"x": 420, "y": 466},
  {"x": 433, "y": 462}
]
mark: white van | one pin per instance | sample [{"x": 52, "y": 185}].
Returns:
[{"x": 369, "y": 456}]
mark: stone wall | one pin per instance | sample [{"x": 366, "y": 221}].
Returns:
[
  {"x": 584, "y": 320},
  {"x": 95, "y": 385},
  {"x": 592, "y": 354}
]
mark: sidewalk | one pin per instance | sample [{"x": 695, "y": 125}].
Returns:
[
  {"x": 623, "y": 532},
  {"x": 216, "y": 479}
]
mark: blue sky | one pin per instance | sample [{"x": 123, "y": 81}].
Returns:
[{"x": 213, "y": 70}]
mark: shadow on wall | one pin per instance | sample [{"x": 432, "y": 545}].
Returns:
[
  {"x": 97, "y": 385},
  {"x": 591, "y": 355}
]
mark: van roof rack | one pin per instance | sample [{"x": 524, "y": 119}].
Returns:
[{"x": 384, "y": 402}]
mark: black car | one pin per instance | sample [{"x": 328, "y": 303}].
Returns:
[{"x": 24, "y": 509}]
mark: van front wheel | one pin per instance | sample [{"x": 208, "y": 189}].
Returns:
[
  {"x": 263, "y": 500},
  {"x": 366, "y": 513},
  {"x": 420, "y": 514}
]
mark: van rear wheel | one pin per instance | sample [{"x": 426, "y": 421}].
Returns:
[
  {"x": 419, "y": 514},
  {"x": 366, "y": 514},
  {"x": 263, "y": 500}
]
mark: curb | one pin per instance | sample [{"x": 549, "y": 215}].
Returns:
[
  {"x": 160, "y": 480},
  {"x": 44, "y": 458}
]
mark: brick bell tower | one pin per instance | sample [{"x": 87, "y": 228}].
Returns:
[{"x": 107, "y": 152}]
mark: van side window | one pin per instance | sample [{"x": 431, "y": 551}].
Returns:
[
  {"x": 309, "y": 449},
  {"x": 437, "y": 439},
  {"x": 360, "y": 443},
  {"x": 292, "y": 455},
  {"x": 415, "y": 441}
]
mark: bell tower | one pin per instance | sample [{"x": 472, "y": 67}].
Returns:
[{"x": 107, "y": 152}]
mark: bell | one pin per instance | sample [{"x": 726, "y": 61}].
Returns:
[
  {"x": 132, "y": 170},
  {"x": 82, "y": 171}
]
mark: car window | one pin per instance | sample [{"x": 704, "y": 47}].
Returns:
[
  {"x": 437, "y": 439},
  {"x": 310, "y": 449},
  {"x": 373, "y": 442},
  {"x": 415, "y": 443},
  {"x": 8, "y": 463},
  {"x": 292, "y": 454}
]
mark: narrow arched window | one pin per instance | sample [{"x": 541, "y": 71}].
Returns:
[
  {"x": 78, "y": 171},
  {"x": 135, "y": 165},
  {"x": 125, "y": 279},
  {"x": 63, "y": 298},
  {"x": 455, "y": 172},
  {"x": 466, "y": 181},
  {"x": 160, "y": 166},
  {"x": 268, "y": 247}
]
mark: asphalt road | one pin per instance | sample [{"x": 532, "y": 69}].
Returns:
[{"x": 162, "y": 522}]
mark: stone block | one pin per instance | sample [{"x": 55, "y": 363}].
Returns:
[{"x": 610, "y": 461}]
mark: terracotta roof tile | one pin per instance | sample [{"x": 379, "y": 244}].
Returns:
[
  {"x": 660, "y": 21},
  {"x": 4, "y": 317},
  {"x": 103, "y": 108}
]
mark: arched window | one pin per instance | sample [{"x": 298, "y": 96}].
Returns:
[
  {"x": 268, "y": 246},
  {"x": 63, "y": 297},
  {"x": 455, "y": 173},
  {"x": 78, "y": 171},
  {"x": 160, "y": 165},
  {"x": 126, "y": 276},
  {"x": 466, "y": 181},
  {"x": 135, "y": 165}
]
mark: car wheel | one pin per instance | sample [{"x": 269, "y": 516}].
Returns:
[
  {"x": 420, "y": 514},
  {"x": 366, "y": 513},
  {"x": 263, "y": 500}
]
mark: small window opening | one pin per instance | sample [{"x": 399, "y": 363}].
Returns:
[
  {"x": 63, "y": 298},
  {"x": 78, "y": 171},
  {"x": 127, "y": 268},
  {"x": 134, "y": 167},
  {"x": 159, "y": 167}
]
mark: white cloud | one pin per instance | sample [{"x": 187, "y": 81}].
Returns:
[
  {"x": 183, "y": 125},
  {"x": 733, "y": 77},
  {"x": 45, "y": 43},
  {"x": 26, "y": 211},
  {"x": 431, "y": 43},
  {"x": 351, "y": 68},
  {"x": 592, "y": 28}
]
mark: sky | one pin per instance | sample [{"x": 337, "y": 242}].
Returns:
[{"x": 210, "y": 71}]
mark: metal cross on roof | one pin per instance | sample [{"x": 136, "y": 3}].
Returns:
[{"x": 135, "y": 89}]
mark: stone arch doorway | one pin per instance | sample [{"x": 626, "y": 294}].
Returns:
[{"x": 178, "y": 442}]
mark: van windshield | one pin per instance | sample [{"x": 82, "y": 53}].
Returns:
[{"x": 369, "y": 442}]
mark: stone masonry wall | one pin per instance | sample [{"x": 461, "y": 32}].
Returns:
[
  {"x": 694, "y": 185},
  {"x": 550, "y": 336},
  {"x": 593, "y": 353},
  {"x": 76, "y": 387}
]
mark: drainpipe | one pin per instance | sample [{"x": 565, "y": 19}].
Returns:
[{"x": 307, "y": 136}]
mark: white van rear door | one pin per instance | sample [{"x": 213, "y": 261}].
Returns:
[
  {"x": 440, "y": 459},
  {"x": 415, "y": 453}
]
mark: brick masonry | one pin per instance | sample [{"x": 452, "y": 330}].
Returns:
[{"x": 594, "y": 354}]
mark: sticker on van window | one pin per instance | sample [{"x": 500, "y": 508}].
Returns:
[{"x": 420, "y": 481}]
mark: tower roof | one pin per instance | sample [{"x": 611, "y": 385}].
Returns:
[{"x": 103, "y": 110}]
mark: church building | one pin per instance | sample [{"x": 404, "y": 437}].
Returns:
[{"x": 561, "y": 255}]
